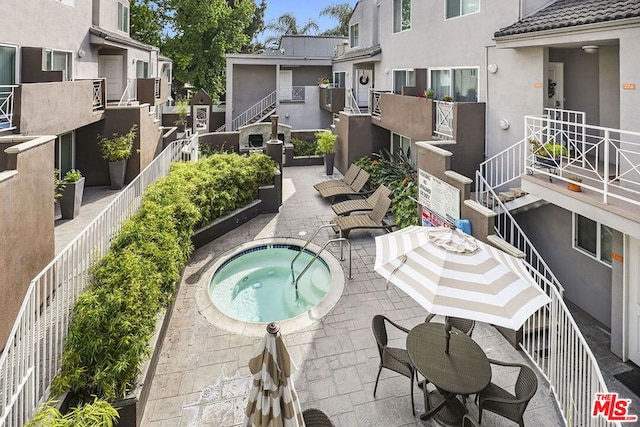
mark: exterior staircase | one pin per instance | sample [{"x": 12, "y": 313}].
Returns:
[{"x": 256, "y": 113}]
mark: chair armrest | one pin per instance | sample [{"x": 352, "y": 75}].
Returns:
[
  {"x": 509, "y": 364},
  {"x": 513, "y": 401},
  {"x": 402, "y": 328}
]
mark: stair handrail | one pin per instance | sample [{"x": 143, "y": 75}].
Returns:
[
  {"x": 130, "y": 92},
  {"x": 510, "y": 159},
  {"x": 305, "y": 247},
  {"x": 351, "y": 102},
  {"x": 504, "y": 220},
  {"x": 317, "y": 255},
  {"x": 254, "y": 111}
]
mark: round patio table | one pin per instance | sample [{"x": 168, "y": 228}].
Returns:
[{"x": 465, "y": 370}]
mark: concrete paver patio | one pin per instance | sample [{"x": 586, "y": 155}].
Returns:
[{"x": 202, "y": 377}]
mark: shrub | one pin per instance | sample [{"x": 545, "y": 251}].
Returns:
[
  {"x": 118, "y": 147},
  {"x": 96, "y": 414},
  {"x": 304, "y": 148},
  {"x": 326, "y": 141},
  {"x": 115, "y": 318}
]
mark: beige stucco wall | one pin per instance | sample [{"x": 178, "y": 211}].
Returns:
[{"x": 27, "y": 223}]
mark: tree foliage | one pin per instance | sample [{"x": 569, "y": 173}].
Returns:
[
  {"x": 288, "y": 24},
  {"x": 204, "y": 32},
  {"x": 148, "y": 20},
  {"x": 341, "y": 12},
  {"x": 256, "y": 26}
]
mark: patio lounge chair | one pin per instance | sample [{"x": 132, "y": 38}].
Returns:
[
  {"x": 354, "y": 189},
  {"x": 355, "y": 205},
  {"x": 498, "y": 400},
  {"x": 316, "y": 418},
  {"x": 395, "y": 359},
  {"x": 347, "y": 179},
  {"x": 374, "y": 219}
]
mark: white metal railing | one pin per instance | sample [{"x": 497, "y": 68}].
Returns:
[
  {"x": 222, "y": 128},
  {"x": 291, "y": 93},
  {"x": 264, "y": 105},
  {"x": 554, "y": 343},
  {"x": 508, "y": 229},
  {"x": 350, "y": 101},
  {"x": 98, "y": 94},
  {"x": 606, "y": 159},
  {"x": 130, "y": 93},
  {"x": 444, "y": 119},
  {"x": 31, "y": 356},
  {"x": 6, "y": 107},
  {"x": 376, "y": 111}
]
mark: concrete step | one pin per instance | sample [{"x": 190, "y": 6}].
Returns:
[{"x": 517, "y": 192}]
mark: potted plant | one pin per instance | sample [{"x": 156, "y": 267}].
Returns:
[
  {"x": 574, "y": 183},
  {"x": 71, "y": 194},
  {"x": 447, "y": 98},
  {"x": 116, "y": 150},
  {"x": 327, "y": 147},
  {"x": 182, "y": 106},
  {"x": 548, "y": 153},
  {"x": 429, "y": 93},
  {"x": 323, "y": 82}
]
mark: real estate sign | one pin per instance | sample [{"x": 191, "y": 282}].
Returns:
[{"x": 439, "y": 197}]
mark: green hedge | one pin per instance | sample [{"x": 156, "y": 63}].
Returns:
[{"x": 114, "y": 320}]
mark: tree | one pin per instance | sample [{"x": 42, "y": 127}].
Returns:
[
  {"x": 205, "y": 30},
  {"x": 341, "y": 12},
  {"x": 287, "y": 24},
  {"x": 255, "y": 27},
  {"x": 148, "y": 20}
]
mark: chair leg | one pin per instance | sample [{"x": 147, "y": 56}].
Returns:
[
  {"x": 377, "y": 378},
  {"x": 479, "y": 414},
  {"x": 413, "y": 406}
]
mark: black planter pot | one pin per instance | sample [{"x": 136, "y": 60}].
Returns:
[
  {"x": 117, "y": 172},
  {"x": 329, "y": 161},
  {"x": 71, "y": 199}
]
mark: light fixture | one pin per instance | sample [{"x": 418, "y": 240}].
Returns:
[
  {"x": 81, "y": 53},
  {"x": 492, "y": 68},
  {"x": 504, "y": 124},
  {"x": 592, "y": 48}
]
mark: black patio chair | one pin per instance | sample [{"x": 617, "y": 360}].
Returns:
[
  {"x": 463, "y": 325},
  {"x": 316, "y": 418},
  {"x": 512, "y": 406},
  {"x": 392, "y": 358}
]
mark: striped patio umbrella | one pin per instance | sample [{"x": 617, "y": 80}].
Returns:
[
  {"x": 273, "y": 401},
  {"x": 452, "y": 274}
]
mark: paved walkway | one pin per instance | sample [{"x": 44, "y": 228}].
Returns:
[{"x": 202, "y": 377}]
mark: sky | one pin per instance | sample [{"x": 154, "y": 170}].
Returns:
[{"x": 303, "y": 10}]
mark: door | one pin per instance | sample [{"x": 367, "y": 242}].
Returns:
[
  {"x": 111, "y": 67},
  {"x": 286, "y": 85},
  {"x": 364, "y": 83},
  {"x": 555, "y": 85},
  {"x": 632, "y": 262},
  {"x": 201, "y": 118}
]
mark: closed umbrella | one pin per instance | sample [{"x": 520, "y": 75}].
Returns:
[
  {"x": 273, "y": 401},
  {"x": 452, "y": 274}
]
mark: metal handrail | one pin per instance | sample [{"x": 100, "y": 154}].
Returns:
[
  {"x": 444, "y": 119},
  {"x": 337, "y": 239},
  {"x": 254, "y": 111},
  {"x": 130, "y": 93},
  {"x": 6, "y": 106},
  {"x": 305, "y": 247},
  {"x": 98, "y": 94},
  {"x": 351, "y": 102}
]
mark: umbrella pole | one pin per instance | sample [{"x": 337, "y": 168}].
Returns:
[{"x": 447, "y": 333}]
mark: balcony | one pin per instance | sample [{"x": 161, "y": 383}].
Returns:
[
  {"x": 332, "y": 99},
  {"x": 291, "y": 94},
  {"x": 6, "y": 107},
  {"x": 153, "y": 91},
  {"x": 54, "y": 108},
  {"x": 605, "y": 160},
  {"x": 410, "y": 116}
]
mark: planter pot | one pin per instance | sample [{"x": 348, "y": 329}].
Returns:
[
  {"x": 117, "y": 172},
  {"x": 71, "y": 199},
  {"x": 329, "y": 161},
  {"x": 324, "y": 85},
  {"x": 573, "y": 186}
]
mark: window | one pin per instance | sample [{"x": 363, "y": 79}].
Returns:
[
  {"x": 57, "y": 60},
  {"x": 354, "y": 35},
  {"x": 401, "y": 15},
  {"x": 142, "y": 69},
  {"x": 65, "y": 153},
  {"x": 455, "y": 8},
  {"x": 402, "y": 78},
  {"x": 123, "y": 17},
  {"x": 403, "y": 144},
  {"x": 339, "y": 79},
  {"x": 592, "y": 238},
  {"x": 459, "y": 83},
  {"x": 7, "y": 65}
]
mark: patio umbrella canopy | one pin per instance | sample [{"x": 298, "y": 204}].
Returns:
[
  {"x": 273, "y": 401},
  {"x": 452, "y": 274}
]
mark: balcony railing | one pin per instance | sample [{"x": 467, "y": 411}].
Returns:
[
  {"x": 444, "y": 119},
  {"x": 257, "y": 110},
  {"x": 98, "y": 94},
  {"x": 156, "y": 88},
  {"x": 606, "y": 159},
  {"x": 6, "y": 107},
  {"x": 376, "y": 111},
  {"x": 130, "y": 93},
  {"x": 31, "y": 357},
  {"x": 292, "y": 93}
]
